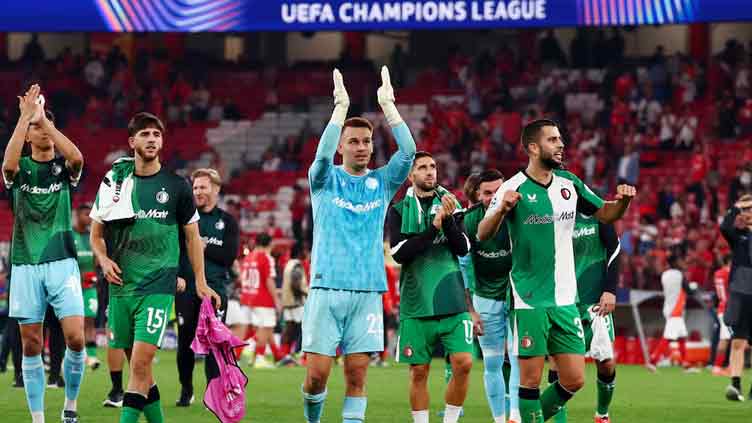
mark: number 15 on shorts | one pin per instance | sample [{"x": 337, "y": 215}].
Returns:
[{"x": 154, "y": 320}]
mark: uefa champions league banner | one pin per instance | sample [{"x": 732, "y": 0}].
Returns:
[{"x": 340, "y": 15}]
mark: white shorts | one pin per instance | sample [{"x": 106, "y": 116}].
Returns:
[
  {"x": 294, "y": 315},
  {"x": 675, "y": 328},
  {"x": 724, "y": 333},
  {"x": 263, "y": 317},
  {"x": 238, "y": 314}
]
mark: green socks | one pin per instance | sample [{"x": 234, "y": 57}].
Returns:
[
  {"x": 530, "y": 405},
  {"x": 153, "y": 407},
  {"x": 605, "y": 386},
  {"x": 553, "y": 399},
  {"x": 133, "y": 404}
]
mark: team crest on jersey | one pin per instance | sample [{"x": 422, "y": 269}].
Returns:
[
  {"x": 56, "y": 169},
  {"x": 408, "y": 351},
  {"x": 526, "y": 342},
  {"x": 219, "y": 225},
  {"x": 566, "y": 194},
  {"x": 372, "y": 183},
  {"x": 163, "y": 196}
]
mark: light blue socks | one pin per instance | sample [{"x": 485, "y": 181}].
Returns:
[
  {"x": 494, "y": 383},
  {"x": 354, "y": 409},
  {"x": 73, "y": 373},
  {"x": 33, "y": 375},
  {"x": 313, "y": 405}
]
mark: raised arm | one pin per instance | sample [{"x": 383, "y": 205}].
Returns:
[
  {"x": 728, "y": 225},
  {"x": 502, "y": 204},
  {"x": 30, "y": 113},
  {"x": 73, "y": 157},
  {"x": 399, "y": 165},
  {"x": 324, "y": 160},
  {"x": 614, "y": 210}
]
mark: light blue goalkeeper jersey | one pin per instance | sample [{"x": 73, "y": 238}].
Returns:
[{"x": 349, "y": 213}]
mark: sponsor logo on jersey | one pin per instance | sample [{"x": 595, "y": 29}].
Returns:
[
  {"x": 372, "y": 183},
  {"x": 494, "y": 254},
  {"x": 163, "y": 196},
  {"x": 214, "y": 241},
  {"x": 566, "y": 194},
  {"x": 533, "y": 198},
  {"x": 356, "y": 208},
  {"x": 535, "y": 219},
  {"x": 219, "y": 225},
  {"x": 53, "y": 188},
  {"x": 152, "y": 214},
  {"x": 586, "y": 231}
]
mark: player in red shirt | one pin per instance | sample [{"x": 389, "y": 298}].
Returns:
[
  {"x": 260, "y": 292},
  {"x": 721, "y": 280}
]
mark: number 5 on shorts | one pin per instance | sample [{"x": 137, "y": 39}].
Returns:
[{"x": 154, "y": 320}]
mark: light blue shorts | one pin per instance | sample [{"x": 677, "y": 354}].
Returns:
[
  {"x": 34, "y": 286},
  {"x": 353, "y": 320},
  {"x": 495, "y": 316}
]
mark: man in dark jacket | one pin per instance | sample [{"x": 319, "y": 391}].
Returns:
[{"x": 737, "y": 229}]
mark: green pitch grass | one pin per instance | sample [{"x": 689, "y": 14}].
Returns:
[{"x": 274, "y": 397}]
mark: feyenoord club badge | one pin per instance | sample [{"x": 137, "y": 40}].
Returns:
[
  {"x": 566, "y": 194},
  {"x": 526, "y": 342}
]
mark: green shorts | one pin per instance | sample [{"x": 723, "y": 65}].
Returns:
[
  {"x": 587, "y": 324},
  {"x": 547, "y": 331},
  {"x": 139, "y": 318},
  {"x": 91, "y": 302},
  {"x": 418, "y": 337}
]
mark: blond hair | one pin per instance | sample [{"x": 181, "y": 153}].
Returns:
[{"x": 210, "y": 173}]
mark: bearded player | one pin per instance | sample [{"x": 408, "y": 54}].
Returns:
[{"x": 539, "y": 205}]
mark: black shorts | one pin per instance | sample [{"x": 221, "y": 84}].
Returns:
[{"x": 738, "y": 315}]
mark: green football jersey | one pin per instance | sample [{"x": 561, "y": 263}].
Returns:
[
  {"x": 147, "y": 248},
  {"x": 492, "y": 259},
  {"x": 41, "y": 204},
  {"x": 85, "y": 255},
  {"x": 540, "y": 229},
  {"x": 590, "y": 259},
  {"x": 431, "y": 284}
]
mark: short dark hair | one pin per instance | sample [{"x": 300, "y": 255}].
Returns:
[
  {"x": 470, "y": 189},
  {"x": 263, "y": 240},
  {"x": 357, "y": 122},
  {"x": 420, "y": 154},
  {"x": 143, "y": 120},
  {"x": 531, "y": 130},
  {"x": 490, "y": 175},
  {"x": 673, "y": 260}
]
